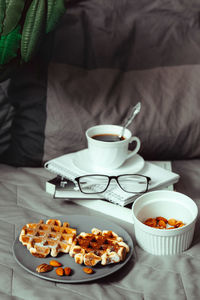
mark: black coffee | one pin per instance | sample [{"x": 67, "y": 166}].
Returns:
[{"x": 107, "y": 137}]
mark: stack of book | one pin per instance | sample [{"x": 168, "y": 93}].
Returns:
[{"x": 63, "y": 185}]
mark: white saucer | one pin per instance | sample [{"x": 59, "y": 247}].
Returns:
[{"x": 82, "y": 161}]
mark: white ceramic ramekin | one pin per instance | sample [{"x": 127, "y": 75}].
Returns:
[{"x": 168, "y": 204}]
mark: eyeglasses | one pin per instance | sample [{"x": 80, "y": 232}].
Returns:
[{"x": 96, "y": 183}]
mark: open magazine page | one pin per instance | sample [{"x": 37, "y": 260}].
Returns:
[
  {"x": 67, "y": 167},
  {"x": 123, "y": 213}
]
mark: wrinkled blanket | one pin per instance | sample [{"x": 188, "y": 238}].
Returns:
[{"x": 23, "y": 198}]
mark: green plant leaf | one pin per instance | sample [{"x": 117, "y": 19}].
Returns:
[
  {"x": 34, "y": 29},
  {"x": 2, "y": 14},
  {"x": 13, "y": 13},
  {"x": 9, "y": 45},
  {"x": 55, "y": 10}
]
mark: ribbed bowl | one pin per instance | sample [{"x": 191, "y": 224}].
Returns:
[{"x": 168, "y": 204}]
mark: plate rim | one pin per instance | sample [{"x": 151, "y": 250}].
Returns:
[{"x": 116, "y": 267}]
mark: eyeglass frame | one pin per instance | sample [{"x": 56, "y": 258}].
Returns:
[{"x": 109, "y": 180}]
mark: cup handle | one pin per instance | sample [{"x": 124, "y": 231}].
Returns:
[{"x": 137, "y": 148}]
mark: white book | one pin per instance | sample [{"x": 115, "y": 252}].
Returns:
[
  {"x": 60, "y": 187},
  {"x": 65, "y": 167},
  {"x": 116, "y": 211}
]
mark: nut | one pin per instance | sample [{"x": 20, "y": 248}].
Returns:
[
  {"x": 161, "y": 218},
  {"x": 161, "y": 224},
  {"x": 67, "y": 271},
  {"x": 172, "y": 222},
  {"x": 88, "y": 270},
  {"x": 179, "y": 224},
  {"x": 55, "y": 263},
  {"x": 151, "y": 222},
  {"x": 60, "y": 271},
  {"x": 44, "y": 268}
]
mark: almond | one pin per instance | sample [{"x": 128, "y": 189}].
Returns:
[
  {"x": 161, "y": 218},
  {"x": 55, "y": 263},
  {"x": 67, "y": 271},
  {"x": 172, "y": 222},
  {"x": 88, "y": 270},
  {"x": 44, "y": 268},
  {"x": 179, "y": 224},
  {"x": 161, "y": 224},
  {"x": 60, "y": 271},
  {"x": 151, "y": 222}
]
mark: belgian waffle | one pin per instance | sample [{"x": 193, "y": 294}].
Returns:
[
  {"x": 51, "y": 237},
  {"x": 103, "y": 247}
]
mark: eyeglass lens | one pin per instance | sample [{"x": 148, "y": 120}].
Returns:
[
  {"x": 132, "y": 183},
  {"x": 95, "y": 183},
  {"x": 99, "y": 183}
]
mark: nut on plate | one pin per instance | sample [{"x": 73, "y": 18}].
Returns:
[
  {"x": 67, "y": 271},
  {"x": 60, "y": 271},
  {"x": 55, "y": 263},
  {"x": 88, "y": 270},
  {"x": 44, "y": 268}
]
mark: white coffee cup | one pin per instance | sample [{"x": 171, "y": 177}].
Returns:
[{"x": 110, "y": 155}]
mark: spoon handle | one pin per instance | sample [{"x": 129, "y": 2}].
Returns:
[{"x": 135, "y": 110}]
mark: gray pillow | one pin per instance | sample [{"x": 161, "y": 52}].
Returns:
[
  {"x": 129, "y": 52},
  {"x": 168, "y": 124},
  {"x": 6, "y": 117},
  {"x": 95, "y": 68}
]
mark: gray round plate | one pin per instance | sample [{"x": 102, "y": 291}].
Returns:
[{"x": 81, "y": 223}]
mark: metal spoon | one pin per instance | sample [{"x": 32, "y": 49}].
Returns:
[{"x": 135, "y": 110}]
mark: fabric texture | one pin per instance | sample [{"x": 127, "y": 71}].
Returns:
[
  {"x": 6, "y": 117},
  {"x": 122, "y": 52},
  {"x": 27, "y": 94},
  {"x": 102, "y": 59},
  {"x": 23, "y": 200}
]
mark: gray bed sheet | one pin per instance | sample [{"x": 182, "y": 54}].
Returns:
[{"x": 23, "y": 198}]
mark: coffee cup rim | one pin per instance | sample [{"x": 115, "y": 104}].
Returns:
[{"x": 105, "y": 129}]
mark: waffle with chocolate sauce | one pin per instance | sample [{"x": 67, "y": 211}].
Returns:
[{"x": 104, "y": 247}]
